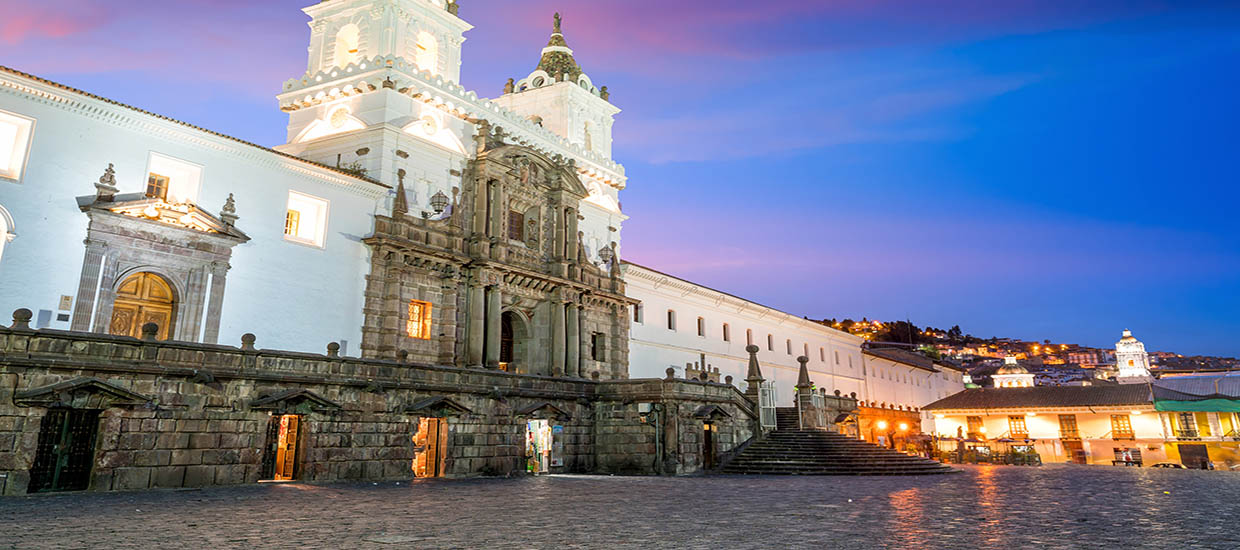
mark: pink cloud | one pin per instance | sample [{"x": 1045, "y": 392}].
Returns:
[{"x": 24, "y": 21}]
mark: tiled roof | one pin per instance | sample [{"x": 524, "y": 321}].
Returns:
[
  {"x": 1196, "y": 388},
  {"x": 1045, "y": 397},
  {"x": 912, "y": 359},
  {"x": 73, "y": 90}
]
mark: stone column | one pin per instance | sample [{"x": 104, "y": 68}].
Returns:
[
  {"x": 215, "y": 305},
  {"x": 84, "y": 304},
  {"x": 494, "y": 304},
  {"x": 557, "y": 339},
  {"x": 571, "y": 234},
  {"x": 574, "y": 341},
  {"x": 475, "y": 324}
]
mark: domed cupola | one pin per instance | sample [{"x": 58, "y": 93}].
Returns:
[
  {"x": 556, "y": 65},
  {"x": 1012, "y": 375}
]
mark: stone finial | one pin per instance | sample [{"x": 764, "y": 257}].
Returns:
[
  {"x": 247, "y": 341},
  {"x": 510, "y": 87},
  {"x": 837, "y": 393},
  {"x": 389, "y": 83},
  {"x": 704, "y": 376},
  {"x": 228, "y": 214},
  {"x": 755, "y": 371},
  {"x": 21, "y": 319},
  {"x": 106, "y": 188},
  {"x": 853, "y": 395},
  {"x": 400, "y": 205},
  {"x": 150, "y": 331},
  {"x": 453, "y": 7},
  {"x": 596, "y": 375},
  {"x": 728, "y": 379},
  {"x": 671, "y": 373},
  {"x": 333, "y": 349},
  {"x": 558, "y": 21},
  {"x": 604, "y": 94},
  {"x": 804, "y": 384},
  {"x": 402, "y": 355}
]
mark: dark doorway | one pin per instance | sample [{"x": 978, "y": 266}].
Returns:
[
  {"x": 65, "y": 452},
  {"x": 280, "y": 456},
  {"x": 1194, "y": 456},
  {"x": 506, "y": 342},
  {"x": 708, "y": 445}
]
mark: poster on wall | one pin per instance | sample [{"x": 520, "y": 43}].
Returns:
[{"x": 557, "y": 446}]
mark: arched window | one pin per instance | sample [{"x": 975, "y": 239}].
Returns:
[
  {"x": 806, "y": 354},
  {"x": 671, "y": 319},
  {"x": 727, "y": 333},
  {"x": 589, "y": 138},
  {"x": 348, "y": 40},
  {"x": 822, "y": 354},
  {"x": 701, "y": 326},
  {"x": 426, "y": 52},
  {"x": 788, "y": 344},
  {"x": 770, "y": 342}
]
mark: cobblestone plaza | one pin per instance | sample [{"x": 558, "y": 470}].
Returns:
[{"x": 983, "y": 507}]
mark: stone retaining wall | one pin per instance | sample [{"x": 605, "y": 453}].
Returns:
[{"x": 176, "y": 414}]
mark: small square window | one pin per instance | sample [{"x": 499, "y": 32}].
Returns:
[
  {"x": 418, "y": 324},
  {"x": 305, "y": 221},
  {"x": 15, "y": 132},
  {"x": 516, "y": 225},
  {"x": 598, "y": 343},
  {"x": 173, "y": 180}
]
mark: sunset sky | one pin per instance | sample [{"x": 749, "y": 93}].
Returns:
[{"x": 1059, "y": 170}]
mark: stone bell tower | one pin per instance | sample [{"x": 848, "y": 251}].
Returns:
[{"x": 350, "y": 108}]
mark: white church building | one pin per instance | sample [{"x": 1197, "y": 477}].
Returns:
[{"x": 112, "y": 217}]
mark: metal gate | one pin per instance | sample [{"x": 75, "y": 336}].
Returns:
[
  {"x": 65, "y": 452},
  {"x": 766, "y": 404}
]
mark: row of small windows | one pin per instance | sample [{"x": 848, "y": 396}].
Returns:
[
  {"x": 639, "y": 317},
  {"x": 425, "y": 49}
]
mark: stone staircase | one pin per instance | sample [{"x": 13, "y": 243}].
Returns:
[{"x": 792, "y": 451}]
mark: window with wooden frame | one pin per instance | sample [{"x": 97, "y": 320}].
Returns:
[
  {"x": 727, "y": 333},
  {"x": 1121, "y": 427},
  {"x": 1017, "y": 428},
  {"x": 701, "y": 327},
  {"x": 516, "y": 225},
  {"x": 975, "y": 427},
  {"x": 292, "y": 221},
  {"x": 671, "y": 320},
  {"x": 157, "y": 186},
  {"x": 770, "y": 342},
  {"x": 418, "y": 324}
]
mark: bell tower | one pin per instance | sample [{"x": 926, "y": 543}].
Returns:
[{"x": 350, "y": 109}]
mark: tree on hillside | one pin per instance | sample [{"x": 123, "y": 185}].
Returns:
[
  {"x": 900, "y": 331},
  {"x": 955, "y": 335}
]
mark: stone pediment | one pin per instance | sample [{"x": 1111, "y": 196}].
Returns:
[
  {"x": 529, "y": 167},
  {"x": 711, "y": 412},
  {"x": 293, "y": 401},
  {"x": 80, "y": 393},
  {"x": 436, "y": 407},
  {"x": 543, "y": 410},
  {"x": 185, "y": 216}
]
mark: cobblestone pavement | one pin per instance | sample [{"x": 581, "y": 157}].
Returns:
[{"x": 983, "y": 507}]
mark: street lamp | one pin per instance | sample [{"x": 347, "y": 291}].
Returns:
[
  {"x": 903, "y": 426},
  {"x": 439, "y": 202}
]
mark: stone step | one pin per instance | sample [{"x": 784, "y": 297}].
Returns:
[{"x": 792, "y": 451}]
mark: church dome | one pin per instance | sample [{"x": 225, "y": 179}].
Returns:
[{"x": 1010, "y": 366}]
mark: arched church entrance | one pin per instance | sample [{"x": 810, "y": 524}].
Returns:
[
  {"x": 143, "y": 298},
  {"x": 513, "y": 343}
]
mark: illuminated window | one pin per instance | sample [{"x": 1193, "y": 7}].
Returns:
[
  {"x": 305, "y": 221},
  {"x": 727, "y": 333},
  {"x": 516, "y": 225},
  {"x": 671, "y": 320},
  {"x": 15, "y": 131},
  {"x": 1121, "y": 427},
  {"x": 1130, "y": 363},
  {"x": 418, "y": 325},
  {"x": 1016, "y": 427},
  {"x": 348, "y": 40},
  {"x": 426, "y": 52},
  {"x": 172, "y": 179},
  {"x": 701, "y": 327},
  {"x": 157, "y": 186},
  {"x": 975, "y": 427}
]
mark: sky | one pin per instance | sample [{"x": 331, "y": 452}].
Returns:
[{"x": 1037, "y": 170}]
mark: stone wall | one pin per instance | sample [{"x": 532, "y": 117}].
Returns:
[{"x": 177, "y": 414}]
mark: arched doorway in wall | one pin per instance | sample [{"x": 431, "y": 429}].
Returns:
[
  {"x": 143, "y": 298},
  {"x": 514, "y": 343}
]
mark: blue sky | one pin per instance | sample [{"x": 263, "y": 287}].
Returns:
[{"x": 1026, "y": 169}]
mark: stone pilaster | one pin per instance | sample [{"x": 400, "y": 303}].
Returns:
[
  {"x": 92, "y": 267},
  {"x": 558, "y": 347},
  {"x": 475, "y": 324},
  {"x": 494, "y": 304},
  {"x": 573, "y": 323},
  {"x": 215, "y": 306}
]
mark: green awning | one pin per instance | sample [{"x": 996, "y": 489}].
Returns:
[{"x": 1205, "y": 405}]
